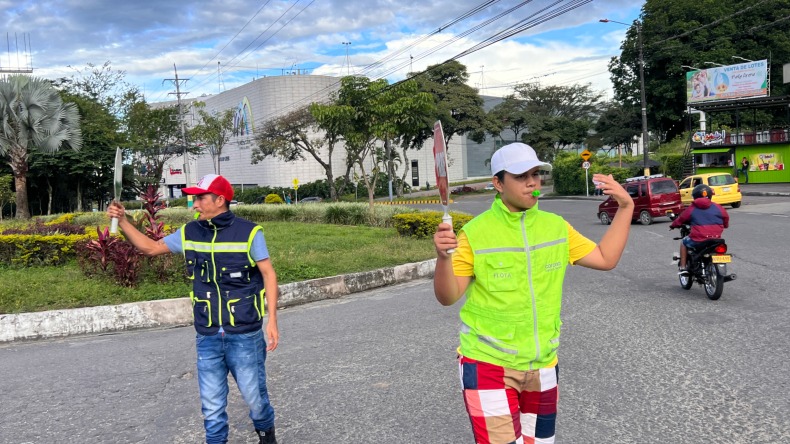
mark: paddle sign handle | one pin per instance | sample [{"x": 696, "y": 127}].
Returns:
[
  {"x": 114, "y": 225},
  {"x": 447, "y": 219}
]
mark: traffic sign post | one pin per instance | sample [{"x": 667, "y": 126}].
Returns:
[
  {"x": 586, "y": 154},
  {"x": 586, "y": 166},
  {"x": 296, "y": 190}
]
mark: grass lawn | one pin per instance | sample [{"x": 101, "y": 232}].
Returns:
[{"x": 299, "y": 251}]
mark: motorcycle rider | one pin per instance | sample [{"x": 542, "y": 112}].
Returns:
[{"x": 706, "y": 218}]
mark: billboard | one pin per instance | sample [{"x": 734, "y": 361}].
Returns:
[{"x": 727, "y": 82}]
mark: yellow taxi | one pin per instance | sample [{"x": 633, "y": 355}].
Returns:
[{"x": 725, "y": 188}]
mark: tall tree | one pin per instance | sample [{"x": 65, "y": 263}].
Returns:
[
  {"x": 213, "y": 132},
  {"x": 154, "y": 135},
  {"x": 102, "y": 84},
  {"x": 509, "y": 115},
  {"x": 617, "y": 125},
  {"x": 308, "y": 130},
  {"x": 89, "y": 170},
  {"x": 457, "y": 105},
  {"x": 557, "y": 116},
  {"x": 33, "y": 119},
  {"x": 686, "y": 32},
  {"x": 369, "y": 115}
]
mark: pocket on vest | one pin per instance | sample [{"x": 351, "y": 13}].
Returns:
[
  {"x": 496, "y": 339},
  {"x": 501, "y": 274},
  {"x": 237, "y": 275},
  {"x": 201, "y": 309},
  {"x": 242, "y": 308}
]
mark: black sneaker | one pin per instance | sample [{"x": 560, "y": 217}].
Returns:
[{"x": 266, "y": 436}]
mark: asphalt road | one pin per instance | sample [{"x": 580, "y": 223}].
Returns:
[{"x": 642, "y": 361}]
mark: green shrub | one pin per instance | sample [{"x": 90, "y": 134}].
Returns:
[
  {"x": 340, "y": 214},
  {"x": 672, "y": 165},
  {"x": 273, "y": 199},
  {"x": 423, "y": 225},
  {"x": 91, "y": 219},
  {"x": 35, "y": 249}
]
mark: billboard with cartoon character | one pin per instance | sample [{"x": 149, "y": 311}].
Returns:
[{"x": 728, "y": 82}]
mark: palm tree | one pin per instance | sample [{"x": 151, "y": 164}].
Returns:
[{"x": 33, "y": 118}]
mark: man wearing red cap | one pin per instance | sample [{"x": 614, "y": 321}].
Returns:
[{"x": 228, "y": 261}]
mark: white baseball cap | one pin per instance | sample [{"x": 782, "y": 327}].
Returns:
[{"x": 516, "y": 158}]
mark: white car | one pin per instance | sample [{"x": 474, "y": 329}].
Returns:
[{"x": 490, "y": 186}]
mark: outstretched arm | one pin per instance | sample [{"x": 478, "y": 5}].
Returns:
[
  {"x": 143, "y": 243},
  {"x": 607, "y": 253}
]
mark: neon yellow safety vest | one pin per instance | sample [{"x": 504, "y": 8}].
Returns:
[{"x": 511, "y": 316}]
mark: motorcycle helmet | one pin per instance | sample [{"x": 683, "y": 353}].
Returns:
[{"x": 702, "y": 190}]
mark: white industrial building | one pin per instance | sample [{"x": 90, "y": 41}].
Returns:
[{"x": 270, "y": 97}]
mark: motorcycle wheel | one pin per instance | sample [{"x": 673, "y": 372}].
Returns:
[
  {"x": 714, "y": 282},
  {"x": 686, "y": 281}
]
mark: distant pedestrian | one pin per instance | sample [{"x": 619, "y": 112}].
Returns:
[
  {"x": 744, "y": 169},
  {"x": 228, "y": 263},
  {"x": 288, "y": 199}
]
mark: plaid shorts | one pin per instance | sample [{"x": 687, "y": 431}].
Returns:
[{"x": 508, "y": 406}]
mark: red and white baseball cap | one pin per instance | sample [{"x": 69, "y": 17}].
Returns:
[{"x": 211, "y": 183}]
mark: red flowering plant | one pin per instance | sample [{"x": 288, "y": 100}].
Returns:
[{"x": 125, "y": 259}]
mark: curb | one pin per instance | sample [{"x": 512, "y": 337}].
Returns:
[
  {"x": 178, "y": 312},
  {"x": 411, "y": 202}
]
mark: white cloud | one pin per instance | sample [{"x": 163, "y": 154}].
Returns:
[{"x": 145, "y": 38}]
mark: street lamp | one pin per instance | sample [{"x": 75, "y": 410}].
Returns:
[
  {"x": 741, "y": 58},
  {"x": 713, "y": 63},
  {"x": 691, "y": 67},
  {"x": 638, "y": 25}
]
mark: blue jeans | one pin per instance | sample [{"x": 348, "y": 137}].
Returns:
[{"x": 242, "y": 355}]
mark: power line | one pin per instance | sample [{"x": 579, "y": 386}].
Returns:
[
  {"x": 232, "y": 39},
  {"x": 239, "y": 59}
]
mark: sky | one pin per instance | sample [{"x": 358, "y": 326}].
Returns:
[{"x": 220, "y": 45}]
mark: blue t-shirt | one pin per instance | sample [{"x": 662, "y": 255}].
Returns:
[{"x": 258, "y": 252}]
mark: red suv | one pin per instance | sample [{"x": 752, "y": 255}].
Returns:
[{"x": 654, "y": 196}]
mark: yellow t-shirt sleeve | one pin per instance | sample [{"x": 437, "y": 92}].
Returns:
[
  {"x": 578, "y": 245},
  {"x": 463, "y": 259}
]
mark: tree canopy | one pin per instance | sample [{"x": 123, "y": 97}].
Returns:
[
  {"x": 693, "y": 33},
  {"x": 33, "y": 119}
]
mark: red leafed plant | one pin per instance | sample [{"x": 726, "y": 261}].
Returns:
[
  {"x": 152, "y": 206},
  {"x": 126, "y": 263},
  {"x": 124, "y": 257},
  {"x": 100, "y": 249}
]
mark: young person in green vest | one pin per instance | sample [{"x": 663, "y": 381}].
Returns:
[{"x": 510, "y": 264}]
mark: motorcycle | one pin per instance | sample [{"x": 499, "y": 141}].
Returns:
[{"x": 706, "y": 265}]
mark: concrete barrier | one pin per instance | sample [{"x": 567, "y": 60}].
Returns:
[{"x": 178, "y": 312}]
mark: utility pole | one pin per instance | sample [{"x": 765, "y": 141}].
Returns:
[
  {"x": 645, "y": 137},
  {"x": 178, "y": 93},
  {"x": 348, "y": 63}
]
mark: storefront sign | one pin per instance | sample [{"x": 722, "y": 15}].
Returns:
[{"x": 766, "y": 162}]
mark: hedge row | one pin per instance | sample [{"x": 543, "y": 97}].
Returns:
[
  {"x": 33, "y": 249},
  {"x": 423, "y": 225}
]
